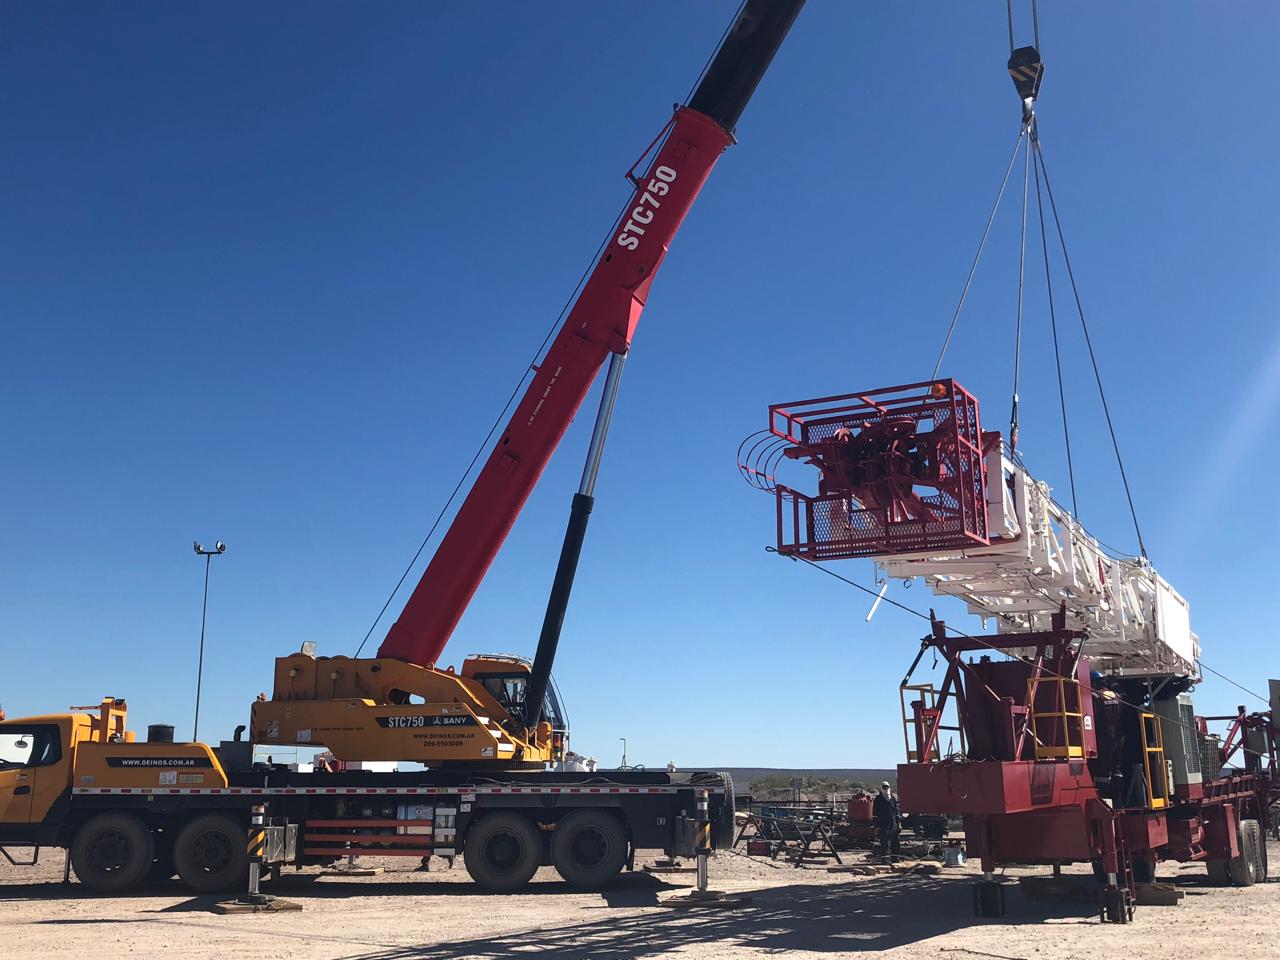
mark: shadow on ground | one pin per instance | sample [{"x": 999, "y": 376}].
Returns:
[
  {"x": 628, "y": 890},
  {"x": 826, "y": 918},
  {"x": 847, "y": 917}
]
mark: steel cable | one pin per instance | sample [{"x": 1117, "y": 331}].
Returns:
[
  {"x": 977, "y": 257},
  {"x": 1053, "y": 323},
  {"x": 1093, "y": 360},
  {"x": 1029, "y": 128}
]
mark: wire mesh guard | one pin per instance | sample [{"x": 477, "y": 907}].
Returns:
[{"x": 900, "y": 472}]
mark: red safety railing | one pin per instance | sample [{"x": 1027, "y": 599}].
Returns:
[{"x": 901, "y": 471}]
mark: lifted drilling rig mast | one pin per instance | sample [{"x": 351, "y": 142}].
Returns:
[
  {"x": 1071, "y": 736},
  {"x": 1068, "y": 734}
]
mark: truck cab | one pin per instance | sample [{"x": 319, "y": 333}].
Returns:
[
  {"x": 62, "y": 780},
  {"x": 35, "y": 766}
]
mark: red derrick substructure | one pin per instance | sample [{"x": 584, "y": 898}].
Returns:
[
  {"x": 1050, "y": 764},
  {"x": 901, "y": 472}
]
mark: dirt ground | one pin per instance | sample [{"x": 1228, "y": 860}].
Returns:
[{"x": 399, "y": 915}]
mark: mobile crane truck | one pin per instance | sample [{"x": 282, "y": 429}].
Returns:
[{"x": 128, "y": 810}]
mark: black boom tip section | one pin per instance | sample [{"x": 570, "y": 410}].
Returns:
[{"x": 743, "y": 58}]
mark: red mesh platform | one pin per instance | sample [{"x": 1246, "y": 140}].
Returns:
[{"x": 900, "y": 472}]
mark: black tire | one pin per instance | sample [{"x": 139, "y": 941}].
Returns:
[
  {"x": 503, "y": 851},
  {"x": 1259, "y": 842},
  {"x": 1260, "y": 870},
  {"x": 589, "y": 848},
  {"x": 725, "y": 827},
  {"x": 1243, "y": 869},
  {"x": 112, "y": 852},
  {"x": 209, "y": 854}
]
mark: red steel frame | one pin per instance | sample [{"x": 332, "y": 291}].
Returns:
[
  {"x": 1020, "y": 809},
  {"x": 869, "y": 501}
]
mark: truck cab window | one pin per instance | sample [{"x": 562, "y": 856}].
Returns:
[{"x": 29, "y": 747}]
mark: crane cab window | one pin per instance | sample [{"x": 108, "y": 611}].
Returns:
[
  {"x": 509, "y": 690},
  {"x": 35, "y": 746}
]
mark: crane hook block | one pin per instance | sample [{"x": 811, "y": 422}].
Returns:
[
  {"x": 900, "y": 470},
  {"x": 1027, "y": 70}
]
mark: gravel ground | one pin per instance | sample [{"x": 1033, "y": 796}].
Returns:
[{"x": 398, "y": 915}]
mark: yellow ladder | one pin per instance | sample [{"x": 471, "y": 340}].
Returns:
[
  {"x": 1070, "y": 723},
  {"x": 1153, "y": 758}
]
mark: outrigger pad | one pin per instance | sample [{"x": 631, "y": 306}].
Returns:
[
  {"x": 1116, "y": 905},
  {"x": 272, "y": 905},
  {"x": 988, "y": 899}
]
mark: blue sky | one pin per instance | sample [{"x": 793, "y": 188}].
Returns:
[{"x": 269, "y": 272}]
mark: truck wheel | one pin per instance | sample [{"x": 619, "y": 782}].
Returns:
[
  {"x": 1243, "y": 869},
  {"x": 503, "y": 851},
  {"x": 112, "y": 852},
  {"x": 588, "y": 848},
  {"x": 1260, "y": 869},
  {"x": 209, "y": 853}
]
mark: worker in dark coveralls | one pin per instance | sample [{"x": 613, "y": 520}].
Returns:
[{"x": 888, "y": 816}]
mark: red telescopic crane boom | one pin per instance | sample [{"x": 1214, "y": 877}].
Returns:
[{"x": 601, "y": 322}]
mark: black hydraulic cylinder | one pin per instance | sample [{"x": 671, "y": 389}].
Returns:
[
  {"x": 557, "y": 603},
  {"x": 743, "y": 58}
]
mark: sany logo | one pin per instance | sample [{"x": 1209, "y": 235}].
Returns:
[
  {"x": 422, "y": 720},
  {"x": 642, "y": 215}
]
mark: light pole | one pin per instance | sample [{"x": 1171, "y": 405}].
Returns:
[{"x": 208, "y": 555}]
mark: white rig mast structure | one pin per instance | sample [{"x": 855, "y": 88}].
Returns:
[
  {"x": 1041, "y": 558},
  {"x": 908, "y": 478}
]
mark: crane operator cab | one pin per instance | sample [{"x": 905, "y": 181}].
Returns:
[
  {"x": 384, "y": 708},
  {"x": 506, "y": 678}
]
